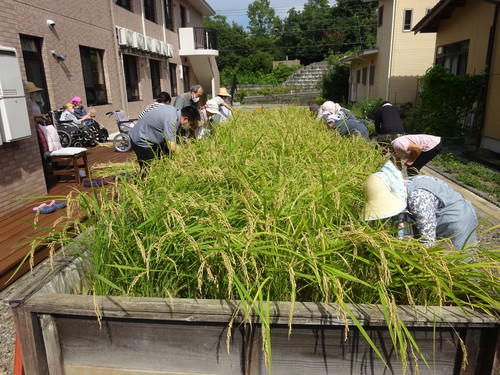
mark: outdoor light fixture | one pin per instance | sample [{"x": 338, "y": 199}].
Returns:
[
  {"x": 51, "y": 23},
  {"x": 59, "y": 56}
]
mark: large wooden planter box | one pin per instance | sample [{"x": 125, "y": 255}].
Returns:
[{"x": 60, "y": 334}]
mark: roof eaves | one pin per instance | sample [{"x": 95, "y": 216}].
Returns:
[
  {"x": 358, "y": 55},
  {"x": 442, "y": 10}
]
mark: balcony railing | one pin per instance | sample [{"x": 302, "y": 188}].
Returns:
[{"x": 205, "y": 38}]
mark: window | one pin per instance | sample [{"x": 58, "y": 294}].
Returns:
[
  {"x": 35, "y": 72},
  {"x": 358, "y": 76},
  {"x": 173, "y": 79},
  {"x": 93, "y": 75},
  {"x": 149, "y": 10},
  {"x": 380, "y": 15},
  {"x": 185, "y": 75},
  {"x": 372, "y": 74},
  {"x": 183, "y": 17},
  {"x": 454, "y": 56},
  {"x": 123, "y": 3},
  {"x": 407, "y": 15},
  {"x": 155, "y": 77},
  {"x": 131, "y": 77},
  {"x": 365, "y": 72},
  {"x": 169, "y": 23}
]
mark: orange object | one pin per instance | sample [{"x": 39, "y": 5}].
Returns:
[{"x": 18, "y": 359}]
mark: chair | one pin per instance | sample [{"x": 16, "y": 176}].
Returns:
[{"x": 65, "y": 161}]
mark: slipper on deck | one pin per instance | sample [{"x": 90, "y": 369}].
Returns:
[
  {"x": 57, "y": 205},
  {"x": 95, "y": 182},
  {"x": 44, "y": 209}
]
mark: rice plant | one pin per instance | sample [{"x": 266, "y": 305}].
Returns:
[{"x": 268, "y": 210}]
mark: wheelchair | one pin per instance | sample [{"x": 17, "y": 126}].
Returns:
[
  {"x": 71, "y": 134},
  {"x": 121, "y": 142}
]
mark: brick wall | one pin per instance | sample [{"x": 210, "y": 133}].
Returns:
[{"x": 90, "y": 24}]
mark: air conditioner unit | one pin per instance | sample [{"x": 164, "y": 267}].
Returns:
[
  {"x": 131, "y": 41},
  {"x": 170, "y": 52},
  {"x": 158, "y": 47},
  {"x": 122, "y": 36},
  {"x": 140, "y": 41},
  {"x": 164, "y": 49},
  {"x": 150, "y": 44}
]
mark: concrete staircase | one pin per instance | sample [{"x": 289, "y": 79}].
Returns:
[{"x": 307, "y": 78}]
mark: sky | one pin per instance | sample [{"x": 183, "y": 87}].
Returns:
[{"x": 236, "y": 10}]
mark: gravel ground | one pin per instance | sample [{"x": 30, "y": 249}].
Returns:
[{"x": 490, "y": 239}]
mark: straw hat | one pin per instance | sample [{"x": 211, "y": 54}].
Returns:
[
  {"x": 381, "y": 203},
  {"x": 223, "y": 92},
  {"x": 212, "y": 106},
  {"x": 33, "y": 88}
]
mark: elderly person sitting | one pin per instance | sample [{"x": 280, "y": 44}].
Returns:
[{"x": 69, "y": 116}]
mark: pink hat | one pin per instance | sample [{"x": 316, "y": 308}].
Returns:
[{"x": 76, "y": 99}]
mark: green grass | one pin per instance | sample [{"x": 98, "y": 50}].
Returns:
[
  {"x": 470, "y": 173},
  {"x": 268, "y": 210}
]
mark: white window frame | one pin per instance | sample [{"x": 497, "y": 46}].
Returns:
[{"x": 407, "y": 27}]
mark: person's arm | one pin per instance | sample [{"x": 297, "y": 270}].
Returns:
[
  {"x": 172, "y": 146},
  {"x": 414, "y": 152},
  {"x": 423, "y": 206},
  {"x": 227, "y": 106}
]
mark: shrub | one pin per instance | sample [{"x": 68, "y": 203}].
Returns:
[{"x": 445, "y": 102}]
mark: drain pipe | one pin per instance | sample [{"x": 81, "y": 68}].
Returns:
[
  {"x": 391, "y": 46},
  {"x": 119, "y": 61}
]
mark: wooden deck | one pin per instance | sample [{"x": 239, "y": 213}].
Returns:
[{"x": 14, "y": 230}]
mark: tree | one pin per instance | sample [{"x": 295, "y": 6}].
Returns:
[
  {"x": 262, "y": 19},
  {"x": 233, "y": 44}
]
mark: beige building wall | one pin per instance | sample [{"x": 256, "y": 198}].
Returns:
[
  {"x": 402, "y": 56},
  {"x": 472, "y": 22},
  {"x": 491, "y": 130},
  {"x": 90, "y": 24}
]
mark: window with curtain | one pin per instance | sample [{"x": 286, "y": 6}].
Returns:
[
  {"x": 154, "y": 66},
  {"x": 173, "y": 79},
  {"x": 169, "y": 22},
  {"x": 93, "y": 75},
  {"x": 372, "y": 74},
  {"x": 149, "y": 10},
  {"x": 131, "y": 77},
  {"x": 365, "y": 73},
  {"x": 35, "y": 72},
  {"x": 454, "y": 56}
]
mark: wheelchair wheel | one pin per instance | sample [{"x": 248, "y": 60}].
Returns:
[
  {"x": 122, "y": 142},
  {"x": 64, "y": 138}
]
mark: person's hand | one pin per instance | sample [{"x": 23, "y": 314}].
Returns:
[{"x": 92, "y": 111}]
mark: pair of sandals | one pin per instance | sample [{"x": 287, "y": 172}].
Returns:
[{"x": 47, "y": 208}]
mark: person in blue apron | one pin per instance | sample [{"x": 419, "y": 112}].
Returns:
[{"x": 437, "y": 210}]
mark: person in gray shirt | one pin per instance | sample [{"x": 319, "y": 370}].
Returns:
[
  {"x": 190, "y": 98},
  {"x": 154, "y": 134}
]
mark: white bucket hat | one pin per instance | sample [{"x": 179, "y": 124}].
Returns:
[
  {"x": 381, "y": 203},
  {"x": 212, "y": 106}
]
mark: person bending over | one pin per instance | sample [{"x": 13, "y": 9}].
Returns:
[{"x": 154, "y": 134}]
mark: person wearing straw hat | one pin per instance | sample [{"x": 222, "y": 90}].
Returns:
[
  {"x": 34, "y": 93},
  {"x": 225, "y": 109},
  {"x": 437, "y": 210}
]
